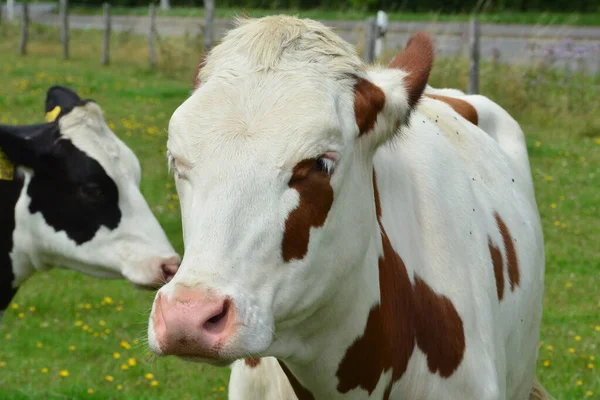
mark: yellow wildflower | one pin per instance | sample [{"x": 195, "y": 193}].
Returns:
[
  {"x": 64, "y": 373},
  {"x": 109, "y": 378},
  {"x": 222, "y": 389},
  {"x": 72, "y": 348},
  {"x": 577, "y": 338},
  {"x": 590, "y": 366},
  {"x": 78, "y": 323},
  {"x": 538, "y": 144},
  {"x": 32, "y": 308},
  {"x": 125, "y": 345},
  {"x": 124, "y": 367},
  {"x": 116, "y": 355},
  {"x": 568, "y": 285},
  {"x": 572, "y": 350},
  {"x": 102, "y": 323},
  {"x": 39, "y": 345},
  {"x": 579, "y": 382},
  {"x": 14, "y": 306},
  {"x": 90, "y": 391},
  {"x": 131, "y": 362},
  {"x": 2, "y": 364},
  {"x": 44, "y": 370},
  {"x": 589, "y": 393},
  {"x": 549, "y": 348},
  {"x": 154, "y": 383},
  {"x": 553, "y": 205},
  {"x": 547, "y": 363},
  {"x": 149, "y": 376},
  {"x": 21, "y": 315},
  {"x": 119, "y": 387}
]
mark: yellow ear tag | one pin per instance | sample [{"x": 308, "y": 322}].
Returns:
[
  {"x": 52, "y": 115},
  {"x": 7, "y": 170}
]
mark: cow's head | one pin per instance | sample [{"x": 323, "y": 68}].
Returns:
[
  {"x": 272, "y": 156},
  {"x": 80, "y": 206}
]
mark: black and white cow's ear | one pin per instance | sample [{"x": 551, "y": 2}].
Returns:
[
  {"x": 23, "y": 145},
  {"x": 60, "y": 100}
]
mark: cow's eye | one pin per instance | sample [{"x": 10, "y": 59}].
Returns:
[
  {"x": 91, "y": 191},
  {"x": 325, "y": 165}
]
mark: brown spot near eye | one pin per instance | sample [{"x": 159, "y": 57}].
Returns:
[
  {"x": 252, "y": 362},
  {"x": 498, "y": 270},
  {"x": 466, "y": 110},
  {"x": 511, "y": 253},
  {"x": 417, "y": 60},
  {"x": 405, "y": 317},
  {"x": 316, "y": 198},
  {"x": 301, "y": 392},
  {"x": 369, "y": 100}
]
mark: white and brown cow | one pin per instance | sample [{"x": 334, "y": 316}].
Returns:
[
  {"x": 371, "y": 238},
  {"x": 71, "y": 198}
]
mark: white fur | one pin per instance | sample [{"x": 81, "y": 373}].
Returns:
[
  {"x": 134, "y": 250},
  {"x": 277, "y": 91}
]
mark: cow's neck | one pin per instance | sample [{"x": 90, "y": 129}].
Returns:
[
  {"x": 355, "y": 344},
  {"x": 11, "y": 190}
]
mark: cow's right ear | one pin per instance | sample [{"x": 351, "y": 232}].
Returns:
[{"x": 23, "y": 145}]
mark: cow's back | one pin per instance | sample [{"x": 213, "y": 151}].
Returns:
[{"x": 470, "y": 227}]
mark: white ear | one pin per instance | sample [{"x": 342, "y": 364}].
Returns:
[{"x": 384, "y": 98}]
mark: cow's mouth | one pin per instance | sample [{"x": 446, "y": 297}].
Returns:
[{"x": 147, "y": 287}]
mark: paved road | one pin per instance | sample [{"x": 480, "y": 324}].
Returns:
[{"x": 578, "y": 47}]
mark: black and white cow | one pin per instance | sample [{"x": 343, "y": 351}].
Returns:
[{"x": 73, "y": 201}]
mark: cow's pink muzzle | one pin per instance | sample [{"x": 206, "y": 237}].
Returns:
[{"x": 192, "y": 323}]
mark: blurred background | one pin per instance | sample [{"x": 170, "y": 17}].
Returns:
[{"x": 67, "y": 336}]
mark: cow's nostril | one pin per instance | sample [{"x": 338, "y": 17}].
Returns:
[
  {"x": 169, "y": 271},
  {"x": 217, "y": 321}
]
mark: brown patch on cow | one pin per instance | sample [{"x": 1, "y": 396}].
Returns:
[
  {"x": 440, "y": 332},
  {"x": 302, "y": 393},
  {"x": 252, "y": 362},
  {"x": 200, "y": 66},
  {"x": 497, "y": 262},
  {"x": 406, "y": 316},
  {"x": 466, "y": 110},
  {"x": 369, "y": 100},
  {"x": 316, "y": 198},
  {"x": 417, "y": 60},
  {"x": 511, "y": 254}
]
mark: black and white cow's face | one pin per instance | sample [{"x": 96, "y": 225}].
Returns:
[{"x": 80, "y": 206}]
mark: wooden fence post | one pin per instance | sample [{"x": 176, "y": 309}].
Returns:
[
  {"x": 107, "y": 26},
  {"x": 209, "y": 16},
  {"x": 10, "y": 10},
  {"x": 64, "y": 27},
  {"x": 370, "y": 37},
  {"x": 382, "y": 27},
  {"x": 151, "y": 32},
  {"x": 473, "y": 56},
  {"x": 24, "y": 29}
]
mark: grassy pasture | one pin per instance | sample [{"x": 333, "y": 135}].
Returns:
[{"x": 67, "y": 336}]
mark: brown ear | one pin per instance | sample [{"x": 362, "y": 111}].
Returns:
[
  {"x": 197, "y": 76},
  {"x": 417, "y": 60}
]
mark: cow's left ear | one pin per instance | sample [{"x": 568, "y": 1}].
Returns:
[
  {"x": 385, "y": 97},
  {"x": 23, "y": 145},
  {"x": 60, "y": 100}
]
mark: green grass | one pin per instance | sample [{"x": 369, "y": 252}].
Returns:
[
  {"x": 560, "y": 115},
  {"x": 507, "y": 17}
]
